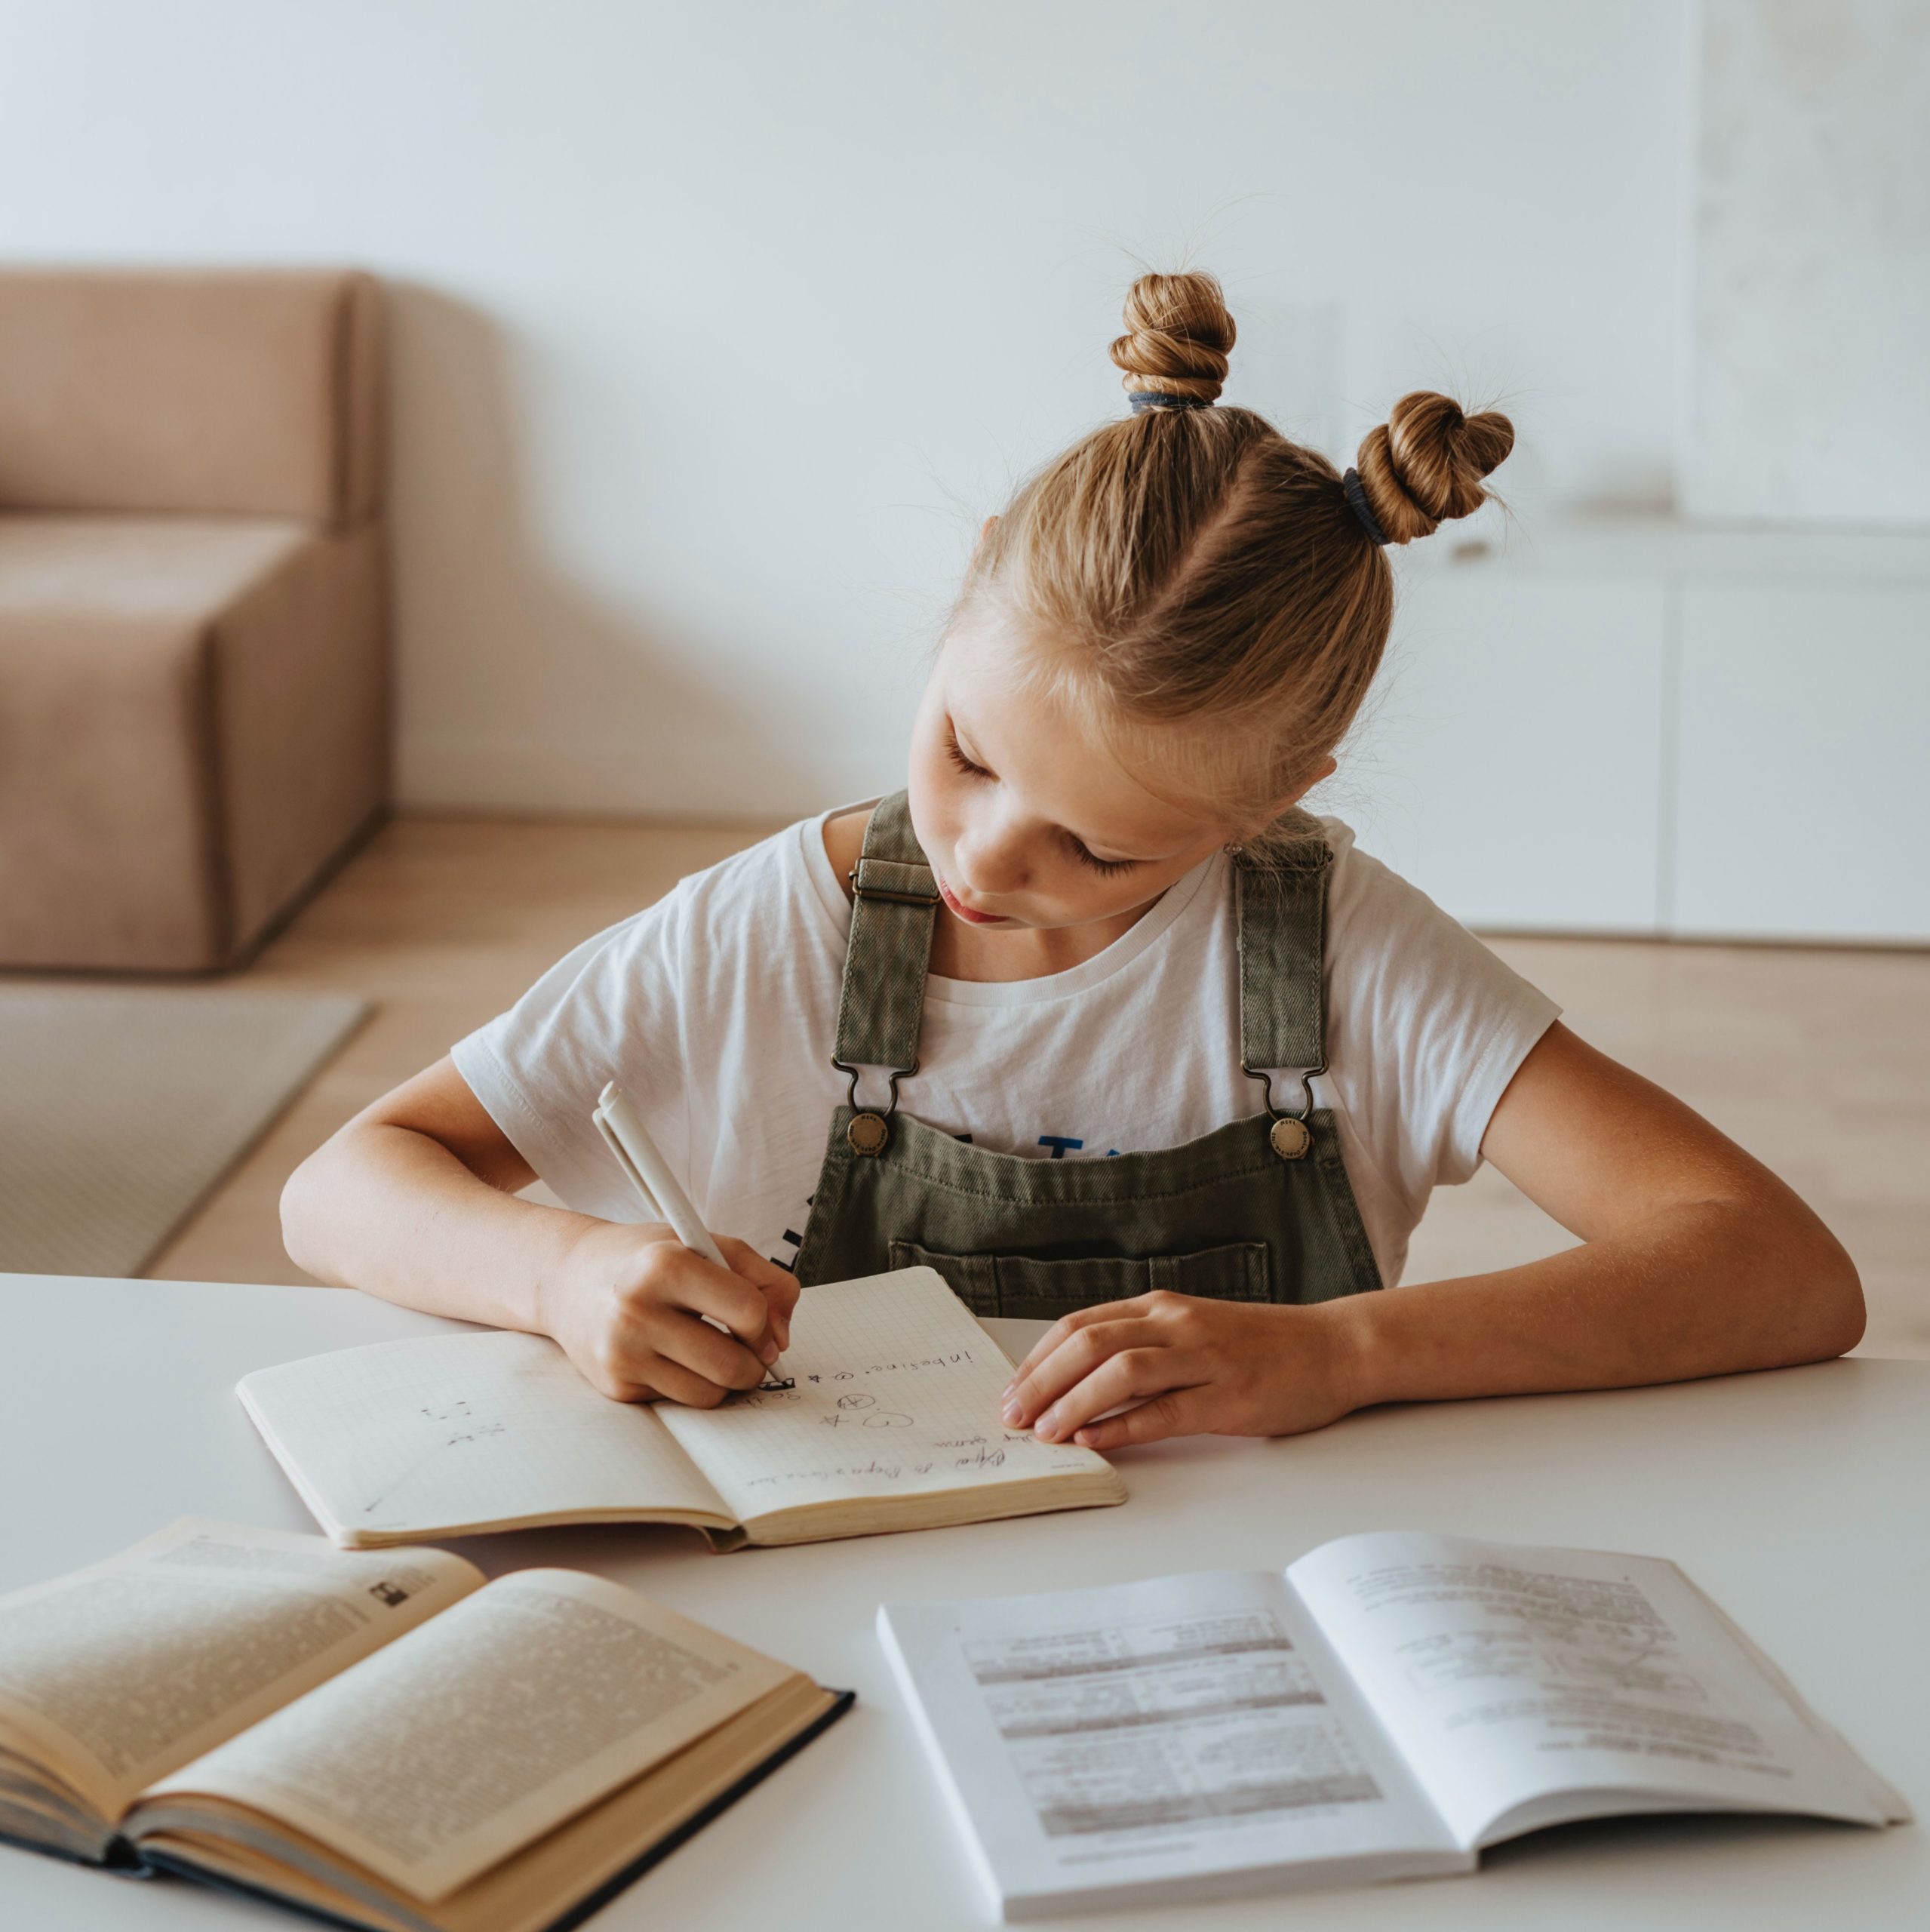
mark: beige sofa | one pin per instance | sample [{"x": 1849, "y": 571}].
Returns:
[{"x": 193, "y": 637}]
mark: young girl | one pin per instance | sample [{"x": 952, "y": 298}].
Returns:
[{"x": 1106, "y": 1028}]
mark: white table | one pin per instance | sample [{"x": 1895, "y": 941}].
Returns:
[{"x": 1797, "y": 1499}]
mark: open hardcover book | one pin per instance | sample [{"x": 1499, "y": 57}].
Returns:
[
  {"x": 1388, "y": 1706},
  {"x": 890, "y": 1422},
  {"x": 381, "y": 1740}
]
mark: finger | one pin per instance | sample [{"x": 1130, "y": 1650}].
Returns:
[
  {"x": 1068, "y": 1325},
  {"x": 1042, "y": 1347},
  {"x": 1177, "y": 1412},
  {"x": 627, "y": 1368},
  {"x": 1130, "y": 1376},
  {"x": 777, "y": 1284},
  {"x": 659, "y": 1378},
  {"x": 720, "y": 1359},
  {"x": 1081, "y": 1352},
  {"x": 782, "y": 1295},
  {"x": 704, "y": 1288}
]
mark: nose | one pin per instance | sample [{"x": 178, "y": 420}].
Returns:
[{"x": 991, "y": 858}]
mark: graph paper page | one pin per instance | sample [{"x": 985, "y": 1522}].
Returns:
[
  {"x": 897, "y": 1391},
  {"x": 407, "y": 1437}
]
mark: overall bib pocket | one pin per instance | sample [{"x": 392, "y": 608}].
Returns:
[{"x": 1026, "y": 1288}]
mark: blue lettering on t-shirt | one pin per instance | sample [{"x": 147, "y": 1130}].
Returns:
[{"x": 1059, "y": 1143}]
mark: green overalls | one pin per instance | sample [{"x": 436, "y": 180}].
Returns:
[{"x": 1259, "y": 1209}]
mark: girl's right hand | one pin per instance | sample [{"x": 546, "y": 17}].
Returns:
[{"x": 626, "y": 1305}]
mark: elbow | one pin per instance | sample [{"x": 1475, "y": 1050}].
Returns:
[
  {"x": 300, "y": 1220},
  {"x": 1827, "y": 1317},
  {"x": 1798, "y": 1297},
  {"x": 1847, "y": 1315}
]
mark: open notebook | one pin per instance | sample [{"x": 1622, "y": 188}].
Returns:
[
  {"x": 891, "y": 1423},
  {"x": 382, "y": 1740}
]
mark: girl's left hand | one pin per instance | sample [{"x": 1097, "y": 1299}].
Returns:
[{"x": 1182, "y": 1365}]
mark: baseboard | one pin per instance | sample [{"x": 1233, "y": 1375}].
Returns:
[{"x": 522, "y": 780}]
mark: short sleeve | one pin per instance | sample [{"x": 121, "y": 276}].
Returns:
[
  {"x": 609, "y": 1010},
  {"x": 1426, "y": 1027}
]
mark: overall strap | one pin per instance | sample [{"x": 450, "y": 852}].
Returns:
[
  {"x": 892, "y": 913},
  {"x": 1281, "y": 896}
]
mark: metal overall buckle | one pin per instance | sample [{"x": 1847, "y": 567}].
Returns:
[
  {"x": 868, "y": 1131},
  {"x": 890, "y": 895},
  {"x": 1290, "y": 1137}
]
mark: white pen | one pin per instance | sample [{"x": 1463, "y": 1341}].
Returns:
[{"x": 662, "y": 1194}]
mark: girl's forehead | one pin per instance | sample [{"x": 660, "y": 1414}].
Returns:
[{"x": 1040, "y": 738}]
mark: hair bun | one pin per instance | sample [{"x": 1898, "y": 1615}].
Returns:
[
  {"x": 1426, "y": 463},
  {"x": 1177, "y": 334}
]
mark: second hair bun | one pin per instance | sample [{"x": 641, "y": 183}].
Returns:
[
  {"x": 1426, "y": 463},
  {"x": 1178, "y": 335}
]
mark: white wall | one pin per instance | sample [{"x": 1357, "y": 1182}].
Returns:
[
  {"x": 717, "y": 329},
  {"x": 1811, "y": 390}
]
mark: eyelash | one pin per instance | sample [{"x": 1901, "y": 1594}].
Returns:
[
  {"x": 959, "y": 758},
  {"x": 1110, "y": 868}
]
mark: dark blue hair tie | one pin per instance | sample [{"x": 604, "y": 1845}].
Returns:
[
  {"x": 1143, "y": 400},
  {"x": 1357, "y": 497}
]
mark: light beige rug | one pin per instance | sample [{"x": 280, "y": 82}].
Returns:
[{"x": 120, "y": 1108}]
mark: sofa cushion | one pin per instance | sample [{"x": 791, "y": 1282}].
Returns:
[
  {"x": 206, "y": 392},
  {"x": 111, "y": 764}
]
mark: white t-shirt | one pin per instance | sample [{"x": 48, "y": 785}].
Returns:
[{"x": 715, "y": 1011}]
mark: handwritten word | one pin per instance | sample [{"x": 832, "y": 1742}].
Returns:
[
  {"x": 889, "y": 1471},
  {"x": 957, "y": 1360}
]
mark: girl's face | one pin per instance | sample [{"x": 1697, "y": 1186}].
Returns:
[{"x": 1028, "y": 820}]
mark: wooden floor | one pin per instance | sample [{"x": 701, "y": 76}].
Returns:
[{"x": 1817, "y": 1060}]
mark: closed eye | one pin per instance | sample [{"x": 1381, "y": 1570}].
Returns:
[
  {"x": 1108, "y": 865},
  {"x": 959, "y": 758}
]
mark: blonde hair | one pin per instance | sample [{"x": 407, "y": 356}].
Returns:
[{"x": 1189, "y": 566}]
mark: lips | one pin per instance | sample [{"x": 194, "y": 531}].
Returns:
[{"x": 965, "y": 912}]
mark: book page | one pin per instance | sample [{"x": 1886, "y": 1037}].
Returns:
[
  {"x": 1513, "y": 1676},
  {"x": 1107, "y": 1741},
  {"x": 453, "y": 1432},
  {"x": 445, "y": 1754},
  {"x": 124, "y": 1670},
  {"x": 896, "y": 1391}
]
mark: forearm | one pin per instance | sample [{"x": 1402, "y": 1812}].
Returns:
[
  {"x": 386, "y": 1209},
  {"x": 1706, "y": 1287}
]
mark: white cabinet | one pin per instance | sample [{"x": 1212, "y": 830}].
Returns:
[
  {"x": 1802, "y": 792},
  {"x": 1646, "y": 727},
  {"x": 1510, "y": 764}
]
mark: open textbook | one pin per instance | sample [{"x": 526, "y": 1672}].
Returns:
[
  {"x": 1388, "y": 1706},
  {"x": 891, "y": 1422},
  {"x": 383, "y": 1740}
]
